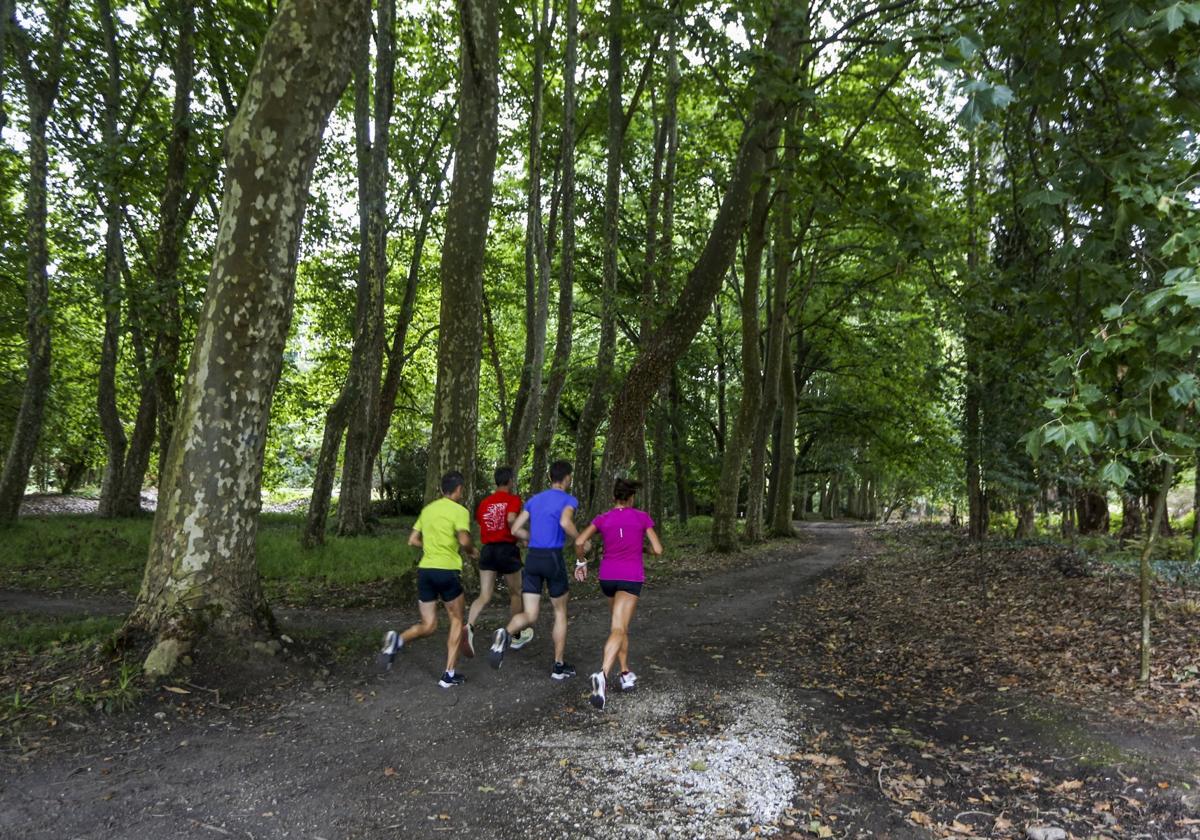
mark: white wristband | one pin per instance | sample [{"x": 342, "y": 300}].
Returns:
[{"x": 580, "y": 563}]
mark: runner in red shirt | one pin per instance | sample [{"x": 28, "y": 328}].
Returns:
[{"x": 500, "y": 555}]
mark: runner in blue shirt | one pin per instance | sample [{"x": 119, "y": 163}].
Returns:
[{"x": 550, "y": 516}]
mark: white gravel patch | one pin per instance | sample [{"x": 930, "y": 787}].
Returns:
[{"x": 635, "y": 774}]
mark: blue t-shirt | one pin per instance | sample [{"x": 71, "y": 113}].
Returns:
[{"x": 545, "y": 515}]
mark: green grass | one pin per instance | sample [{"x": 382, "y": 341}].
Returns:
[
  {"x": 35, "y": 633},
  {"x": 90, "y": 554}
]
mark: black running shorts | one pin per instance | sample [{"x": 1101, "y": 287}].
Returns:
[
  {"x": 611, "y": 587},
  {"x": 502, "y": 558},
  {"x": 438, "y": 583},
  {"x": 544, "y": 566}
]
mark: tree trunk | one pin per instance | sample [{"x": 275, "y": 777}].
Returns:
[
  {"x": 373, "y": 132},
  {"x": 1092, "y": 512},
  {"x": 1132, "y": 516},
  {"x": 106, "y": 396},
  {"x": 548, "y": 420},
  {"x": 173, "y": 222},
  {"x": 658, "y": 355},
  {"x": 781, "y": 511},
  {"x": 1146, "y": 572},
  {"x": 1025, "y": 522},
  {"x": 527, "y": 404},
  {"x": 725, "y": 505},
  {"x": 1196, "y": 512},
  {"x": 202, "y": 576},
  {"x": 41, "y": 90},
  {"x": 456, "y": 395},
  {"x": 777, "y": 326},
  {"x": 973, "y": 399},
  {"x": 593, "y": 407},
  {"x": 683, "y": 493}
]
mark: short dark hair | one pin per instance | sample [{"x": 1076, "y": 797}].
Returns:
[
  {"x": 503, "y": 475},
  {"x": 624, "y": 488},
  {"x": 451, "y": 481},
  {"x": 559, "y": 470}
]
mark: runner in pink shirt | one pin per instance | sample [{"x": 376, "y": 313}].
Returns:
[{"x": 624, "y": 530}]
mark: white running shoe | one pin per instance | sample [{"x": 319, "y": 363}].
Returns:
[
  {"x": 499, "y": 643},
  {"x": 628, "y": 681},
  {"x": 521, "y": 639},
  {"x": 391, "y": 643},
  {"x": 599, "y": 690}
]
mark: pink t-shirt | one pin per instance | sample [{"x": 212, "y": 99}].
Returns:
[{"x": 623, "y": 530}]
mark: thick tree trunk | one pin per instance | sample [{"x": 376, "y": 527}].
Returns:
[
  {"x": 1158, "y": 513},
  {"x": 173, "y": 222},
  {"x": 683, "y": 494},
  {"x": 1025, "y": 520},
  {"x": 1091, "y": 509},
  {"x": 527, "y": 404},
  {"x": 141, "y": 447},
  {"x": 548, "y": 420},
  {"x": 106, "y": 395},
  {"x": 765, "y": 422},
  {"x": 41, "y": 91},
  {"x": 725, "y": 505},
  {"x": 201, "y": 576},
  {"x": 1196, "y": 512},
  {"x": 662, "y": 351},
  {"x": 593, "y": 407},
  {"x": 456, "y": 395},
  {"x": 354, "y": 503},
  {"x": 1133, "y": 517}
]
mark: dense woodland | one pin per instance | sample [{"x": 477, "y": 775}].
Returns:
[{"x": 774, "y": 258}]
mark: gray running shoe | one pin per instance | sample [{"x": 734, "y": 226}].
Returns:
[
  {"x": 391, "y": 643},
  {"x": 521, "y": 639}
]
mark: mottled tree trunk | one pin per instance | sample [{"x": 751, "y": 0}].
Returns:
[
  {"x": 354, "y": 502},
  {"x": 659, "y": 354},
  {"x": 106, "y": 393},
  {"x": 527, "y": 403},
  {"x": 593, "y": 408},
  {"x": 173, "y": 222},
  {"x": 725, "y": 505},
  {"x": 548, "y": 420},
  {"x": 41, "y": 80},
  {"x": 1025, "y": 520},
  {"x": 1196, "y": 512},
  {"x": 456, "y": 395},
  {"x": 201, "y": 576}
]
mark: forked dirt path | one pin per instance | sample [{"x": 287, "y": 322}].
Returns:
[{"x": 714, "y": 743}]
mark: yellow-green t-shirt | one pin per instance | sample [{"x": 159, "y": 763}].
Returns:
[{"x": 439, "y": 524}]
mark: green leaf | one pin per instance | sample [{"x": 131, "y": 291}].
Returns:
[
  {"x": 1115, "y": 473},
  {"x": 1112, "y": 313},
  {"x": 1185, "y": 389},
  {"x": 1173, "y": 16}
]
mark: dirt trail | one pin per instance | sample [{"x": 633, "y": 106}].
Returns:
[{"x": 715, "y": 743}]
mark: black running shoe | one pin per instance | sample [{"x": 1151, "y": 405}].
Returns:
[
  {"x": 448, "y": 681},
  {"x": 499, "y": 645},
  {"x": 599, "y": 690},
  {"x": 562, "y": 671}
]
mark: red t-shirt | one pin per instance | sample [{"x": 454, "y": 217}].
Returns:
[{"x": 492, "y": 516}]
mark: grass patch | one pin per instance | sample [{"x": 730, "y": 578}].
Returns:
[{"x": 37, "y": 633}]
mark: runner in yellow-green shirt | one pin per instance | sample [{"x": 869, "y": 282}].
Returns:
[{"x": 442, "y": 529}]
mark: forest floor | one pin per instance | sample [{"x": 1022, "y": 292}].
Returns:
[{"x": 853, "y": 683}]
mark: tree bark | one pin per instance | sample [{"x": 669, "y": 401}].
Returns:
[
  {"x": 973, "y": 398},
  {"x": 662, "y": 351},
  {"x": 1146, "y": 572},
  {"x": 456, "y": 395},
  {"x": 1091, "y": 510},
  {"x": 1132, "y": 516},
  {"x": 527, "y": 403},
  {"x": 201, "y": 576},
  {"x": 783, "y": 485},
  {"x": 725, "y": 505},
  {"x": 548, "y": 420},
  {"x": 173, "y": 222},
  {"x": 41, "y": 81},
  {"x": 1025, "y": 521},
  {"x": 683, "y": 494},
  {"x": 593, "y": 408},
  {"x": 1196, "y": 512},
  {"x": 354, "y": 503},
  {"x": 106, "y": 393}
]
